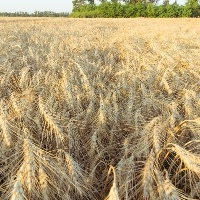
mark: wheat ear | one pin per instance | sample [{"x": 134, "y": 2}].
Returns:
[
  {"x": 113, "y": 194},
  {"x": 17, "y": 192},
  {"x": 147, "y": 176},
  {"x": 166, "y": 190},
  {"x": 191, "y": 161},
  {"x": 43, "y": 182},
  {"x": 4, "y": 124},
  {"x": 50, "y": 120}
]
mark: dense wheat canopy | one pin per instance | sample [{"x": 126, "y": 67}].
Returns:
[{"x": 99, "y": 109}]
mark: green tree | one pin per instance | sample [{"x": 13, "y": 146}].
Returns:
[
  {"x": 126, "y": 1},
  {"x": 119, "y": 10},
  {"x": 170, "y": 10},
  {"x": 141, "y": 9},
  {"x": 103, "y": 1},
  {"x": 77, "y": 3},
  {"x": 133, "y": 8},
  {"x": 114, "y": 1},
  {"x": 166, "y": 2},
  {"x": 91, "y": 2},
  {"x": 151, "y": 10},
  {"x": 130, "y": 10},
  {"x": 192, "y": 8},
  {"x": 161, "y": 11}
]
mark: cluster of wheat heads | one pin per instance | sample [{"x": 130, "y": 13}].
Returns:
[{"x": 87, "y": 114}]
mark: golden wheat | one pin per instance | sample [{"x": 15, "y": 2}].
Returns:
[{"x": 99, "y": 109}]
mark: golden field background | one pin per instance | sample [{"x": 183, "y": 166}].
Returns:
[{"x": 99, "y": 109}]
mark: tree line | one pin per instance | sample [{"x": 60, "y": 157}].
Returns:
[
  {"x": 35, "y": 14},
  {"x": 134, "y": 8}
]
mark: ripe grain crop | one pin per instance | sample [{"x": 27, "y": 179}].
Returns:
[{"x": 99, "y": 109}]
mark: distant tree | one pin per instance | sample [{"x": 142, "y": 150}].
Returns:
[
  {"x": 140, "y": 9},
  {"x": 35, "y": 14},
  {"x": 126, "y": 1},
  {"x": 161, "y": 11},
  {"x": 103, "y": 1},
  {"x": 78, "y": 3},
  {"x": 192, "y": 8},
  {"x": 133, "y": 1},
  {"x": 114, "y": 1},
  {"x": 166, "y": 2},
  {"x": 151, "y": 10},
  {"x": 175, "y": 2},
  {"x": 130, "y": 10},
  {"x": 170, "y": 11},
  {"x": 91, "y": 2}
]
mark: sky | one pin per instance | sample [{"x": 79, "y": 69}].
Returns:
[
  {"x": 35, "y": 5},
  {"x": 41, "y": 5}
]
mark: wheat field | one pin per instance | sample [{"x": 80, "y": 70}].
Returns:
[{"x": 99, "y": 109}]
